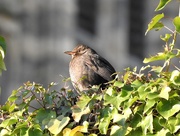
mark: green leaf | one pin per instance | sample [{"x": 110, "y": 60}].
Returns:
[
  {"x": 175, "y": 77},
  {"x": 165, "y": 92},
  {"x": 155, "y": 24},
  {"x": 105, "y": 118},
  {"x": 55, "y": 126},
  {"x": 168, "y": 108},
  {"x": 149, "y": 104},
  {"x": 157, "y": 69},
  {"x": 2, "y": 64},
  {"x": 43, "y": 114},
  {"x": 160, "y": 56},
  {"x": 162, "y": 132},
  {"x": 77, "y": 112},
  {"x": 118, "y": 131},
  {"x": 104, "y": 124},
  {"x": 143, "y": 92},
  {"x": 118, "y": 84},
  {"x": 147, "y": 124},
  {"x": 83, "y": 101},
  {"x": 166, "y": 37},
  {"x": 136, "y": 120},
  {"x": 8, "y": 122},
  {"x": 114, "y": 100},
  {"x": 35, "y": 131},
  {"x": 173, "y": 124},
  {"x": 176, "y": 23},
  {"x": 3, "y": 44},
  {"x": 136, "y": 84},
  {"x": 162, "y": 4}
]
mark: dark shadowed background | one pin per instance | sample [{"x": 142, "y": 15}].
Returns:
[{"x": 38, "y": 32}]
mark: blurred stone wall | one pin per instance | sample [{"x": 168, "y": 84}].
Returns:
[{"x": 38, "y": 32}]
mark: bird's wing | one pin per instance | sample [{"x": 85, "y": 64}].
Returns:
[{"x": 100, "y": 66}]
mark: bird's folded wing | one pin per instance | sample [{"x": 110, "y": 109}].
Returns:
[{"x": 100, "y": 66}]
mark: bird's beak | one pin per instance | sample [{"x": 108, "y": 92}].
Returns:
[{"x": 69, "y": 52}]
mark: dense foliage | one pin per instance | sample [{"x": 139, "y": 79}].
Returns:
[{"x": 144, "y": 102}]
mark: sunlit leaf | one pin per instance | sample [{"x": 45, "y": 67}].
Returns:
[
  {"x": 118, "y": 84},
  {"x": 149, "y": 104},
  {"x": 114, "y": 100},
  {"x": 162, "y": 4},
  {"x": 157, "y": 69},
  {"x": 165, "y": 92},
  {"x": 2, "y": 64},
  {"x": 8, "y": 122},
  {"x": 168, "y": 108},
  {"x": 175, "y": 77},
  {"x": 3, "y": 44},
  {"x": 55, "y": 126},
  {"x": 176, "y": 23},
  {"x": 77, "y": 112},
  {"x": 117, "y": 130},
  {"x": 166, "y": 37},
  {"x": 104, "y": 124},
  {"x": 155, "y": 24},
  {"x": 83, "y": 101},
  {"x": 173, "y": 124},
  {"x": 77, "y": 130},
  {"x": 147, "y": 124}
]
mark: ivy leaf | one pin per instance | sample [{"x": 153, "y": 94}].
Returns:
[
  {"x": 77, "y": 112},
  {"x": 55, "y": 126},
  {"x": 173, "y": 124},
  {"x": 104, "y": 124},
  {"x": 149, "y": 104},
  {"x": 43, "y": 115},
  {"x": 175, "y": 77},
  {"x": 114, "y": 100},
  {"x": 147, "y": 124},
  {"x": 105, "y": 118},
  {"x": 118, "y": 84},
  {"x": 168, "y": 108},
  {"x": 176, "y": 23},
  {"x": 118, "y": 131},
  {"x": 162, "y": 4},
  {"x": 155, "y": 24},
  {"x": 165, "y": 92},
  {"x": 83, "y": 101},
  {"x": 8, "y": 122}
]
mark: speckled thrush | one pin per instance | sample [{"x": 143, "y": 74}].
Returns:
[{"x": 87, "y": 68}]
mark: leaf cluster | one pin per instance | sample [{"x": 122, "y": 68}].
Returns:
[
  {"x": 140, "y": 103},
  {"x": 135, "y": 104}
]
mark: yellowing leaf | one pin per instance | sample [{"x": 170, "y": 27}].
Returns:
[
  {"x": 55, "y": 126},
  {"x": 77, "y": 112},
  {"x": 66, "y": 132}
]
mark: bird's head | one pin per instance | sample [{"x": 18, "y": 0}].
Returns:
[{"x": 78, "y": 50}]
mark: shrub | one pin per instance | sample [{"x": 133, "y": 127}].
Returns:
[{"x": 134, "y": 104}]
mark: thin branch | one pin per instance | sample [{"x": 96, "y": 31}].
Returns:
[
  {"x": 169, "y": 29},
  {"x": 38, "y": 100}
]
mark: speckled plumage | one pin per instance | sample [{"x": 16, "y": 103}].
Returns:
[{"x": 87, "y": 68}]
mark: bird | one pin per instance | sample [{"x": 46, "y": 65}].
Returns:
[{"x": 88, "y": 68}]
